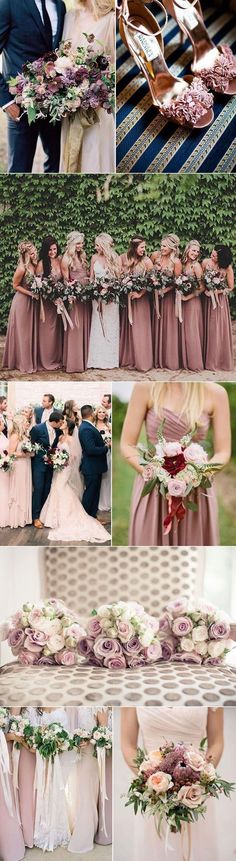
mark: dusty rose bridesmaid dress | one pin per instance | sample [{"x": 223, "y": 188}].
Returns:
[
  {"x": 12, "y": 847},
  {"x": 50, "y": 339},
  {"x": 218, "y": 336},
  {"x": 136, "y": 339},
  {"x": 4, "y": 486},
  {"x": 198, "y": 528},
  {"x": 26, "y": 794},
  {"x": 22, "y": 333},
  {"x": 20, "y": 492},
  {"x": 191, "y": 335},
  {"x": 166, "y": 334},
  {"x": 76, "y": 341}
]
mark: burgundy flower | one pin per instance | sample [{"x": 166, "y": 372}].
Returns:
[{"x": 174, "y": 464}]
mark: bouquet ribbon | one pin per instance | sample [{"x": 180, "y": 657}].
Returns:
[
  {"x": 130, "y": 312},
  {"x": 48, "y": 781},
  {"x": 42, "y": 312},
  {"x": 81, "y": 120},
  {"x": 185, "y": 832},
  {"x": 15, "y": 776},
  {"x": 100, "y": 311},
  {"x": 156, "y": 302},
  {"x": 175, "y": 509},
  {"x": 62, "y": 310},
  {"x": 101, "y": 757},
  {"x": 4, "y": 773},
  {"x": 178, "y": 306}
]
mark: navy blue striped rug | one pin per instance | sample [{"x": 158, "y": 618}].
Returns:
[{"x": 145, "y": 141}]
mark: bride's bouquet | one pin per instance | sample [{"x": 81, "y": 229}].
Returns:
[
  {"x": 176, "y": 469},
  {"x": 64, "y": 82},
  {"x": 101, "y": 739},
  {"x": 174, "y": 784},
  {"x": 45, "y": 633},
  {"x": 199, "y": 632},
  {"x": 214, "y": 281},
  {"x": 6, "y": 461},
  {"x": 57, "y": 458},
  {"x": 185, "y": 285},
  {"x": 120, "y": 635}
]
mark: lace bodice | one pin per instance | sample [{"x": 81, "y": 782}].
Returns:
[
  {"x": 99, "y": 269},
  {"x": 44, "y": 719}
]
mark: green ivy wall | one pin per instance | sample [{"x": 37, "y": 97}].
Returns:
[{"x": 201, "y": 207}]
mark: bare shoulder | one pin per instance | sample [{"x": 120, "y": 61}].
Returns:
[{"x": 217, "y": 394}]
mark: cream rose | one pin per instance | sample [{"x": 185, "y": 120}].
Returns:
[
  {"x": 187, "y": 644},
  {"x": 191, "y": 796},
  {"x": 160, "y": 782},
  {"x": 55, "y": 644},
  {"x": 195, "y": 759},
  {"x": 155, "y": 757},
  {"x": 209, "y": 771},
  {"x": 216, "y": 648},
  {"x": 200, "y": 633},
  {"x": 201, "y": 648}
]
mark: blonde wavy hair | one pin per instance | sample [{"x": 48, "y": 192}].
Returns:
[
  {"x": 19, "y": 426},
  {"x": 96, "y": 411},
  {"x": 173, "y": 241},
  {"x": 71, "y": 256},
  {"x": 187, "y": 248},
  {"x": 112, "y": 258},
  {"x": 192, "y": 405},
  {"x": 99, "y": 7},
  {"x": 24, "y": 249}
]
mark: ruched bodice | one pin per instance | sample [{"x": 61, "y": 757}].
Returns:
[
  {"x": 175, "y": 426},
  {"x": 158, "y": 725}
]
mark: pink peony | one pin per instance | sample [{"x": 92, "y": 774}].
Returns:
[
  {"x": 171, "y": 449},
  {"x": 195, "y": 453},
  {"x": 176, "y": 487},
  {"x": 159, "y": 782}
]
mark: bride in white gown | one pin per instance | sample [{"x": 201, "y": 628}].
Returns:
[
  {"x": 97, "y": 153},
  {"x": 149, "y": 728},
  {"x": 104, "y": 333},
  {"x": 63, "y": 512}
]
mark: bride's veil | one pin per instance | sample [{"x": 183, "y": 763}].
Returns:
[{"x": 76, "y": 479}]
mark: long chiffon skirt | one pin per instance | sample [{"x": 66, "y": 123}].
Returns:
[
  {"x": 4, "y": 498},
  {"x": 218, "y": 346},
  {"x": 198, "y": 528},
  {"x": 138, "y": 352},
  {"x": 20, "y": 494},
  {"x": 26, "y": 794},
  {"x": 22, "y": 332},
  {"x": 101, "y": 838},
  {"x": 50, "y": 339},
  {"x": 86, "y": 807},
  {"x": 76, "y": 340},
  {"x": 191, "y": 335},
  {"x": 166, "y": 335},
  {"x": 12, "y": 847}
]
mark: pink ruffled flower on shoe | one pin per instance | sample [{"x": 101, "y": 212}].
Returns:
[
  {"x": 188, "y": 108},
  {"x": 223, "y": 71}
]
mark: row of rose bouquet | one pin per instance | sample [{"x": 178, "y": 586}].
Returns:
[
  {"x": 176, "y": 470},
  {"x": 174, "y": 784},
  {"x": 65, "y": 81},
  {"x": 53, "y": 738},
  {"x": 118, "y": 635}
]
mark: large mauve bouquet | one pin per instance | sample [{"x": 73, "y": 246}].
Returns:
[
  {"x": 174, "y": 784},
  {"x": 197, "y": 633},
  {"x": 44, "y": 633},
  {"x": 64, "y": 82},
  {"x": 120, "y": 635},
  {"x": 215, "y": 282},
  {"x": 176, "y": 469}
]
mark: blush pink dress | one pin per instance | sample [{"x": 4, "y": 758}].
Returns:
[
  {"x": 12, "y": 846},
  {"x": 20, "y": 492},
  {"x": 26, "y": 775},
  {"x": 76, "y": 340},
  {"x": 4, "y": 486},
  {"x": 20, "y": 352},
  {"x": 198, "y": 528},
  {"x": 218, "y": 336},
  {"x": 156, "y": 726},
  {"x": 136, "y": 339}
]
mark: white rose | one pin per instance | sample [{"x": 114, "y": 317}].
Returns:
[
  {"x": 104, "y": 611},
  {"x": 187, "y": 644},
  {"x": 50, "y": 626},
  {"x": 112, "y": 632},
  {"x": 216, "y": 648},
  {"x": 200, "y": 633},
  {"x": 63, "y": 63},
  {"x": 55, "y": 644},
  {"x": 105, "y": 624},
  {"x": 146, "y": 638},
  {"x": 201, "y": 648}
]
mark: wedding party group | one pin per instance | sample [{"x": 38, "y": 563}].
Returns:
[
  {"x": 55, "y": 469},
  {"x": 133, "y": 311},
  {"x": 57, "y": 84},
  {"x": 173, "y": 500},
  {"x": 56, "y": 780}
]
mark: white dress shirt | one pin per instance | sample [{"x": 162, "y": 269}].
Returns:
[
  {"x": 46, "y": 415},
  {"x": 51, "y": 433},
  {"x": 52, "y": 12}
]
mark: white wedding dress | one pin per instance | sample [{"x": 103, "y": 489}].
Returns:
[
  {"x": 98, "y": 146},
  {"x": 105, "y": 492},
  {"x": 104, "y": 348},
  {"x": 158, "y": 725},
  {"x": 63, "y": 512}
]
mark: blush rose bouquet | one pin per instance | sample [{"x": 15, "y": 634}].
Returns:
[
  {"x": 120, "y": 635},
  {"x": 45, "y": 633},
  {"x": 215, "y": 282},
  {"x": 176, "y": 469},
  {"x": 200, "y": 633},
  {"x": 174, "y": 784},
  {"x": 101, "y": 739}
]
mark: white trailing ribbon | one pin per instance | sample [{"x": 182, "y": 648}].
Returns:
[
  {"x": 5, "y": 773},
  {"x": 101, "y": 757},
  {"x": 185, "y": 832},
  {"x": 178, "y": 306},
  {"x": 15, "y": 778}
]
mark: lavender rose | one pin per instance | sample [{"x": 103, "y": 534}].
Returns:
[
  {"x": 85, "y": 646},
  {"x": 36, "y": 638},
  {"x": 94, "y": 627},
  {"x": 168, "y": 648},
  {"x": 133, "y": 647},
  {"x": 134, "y": 661},
  {"x": 46, "y": 660},
  {"x": 148, "y": 473},
  {"x": 182, "y": 626},
  {"x": 16, "y": 639},
  {"x": 117, "y": 662},
  {"x": 178, "y": 607},
  {"x": 27, "y": 658},
  {"x": 66, "y": 657},
  {"x": 105, "y": 647},
  {"x": 219, "y": 629},
  {"x": 153, "y": 652},
  {"x": 176, "y": 487}
]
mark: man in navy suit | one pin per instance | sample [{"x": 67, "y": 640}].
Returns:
[
  {"x": 28, "y": 30},
  {"x": 94, "y": 460},
  {"x": 47, "y": 435},
  {"x": 43, "y": 413}
]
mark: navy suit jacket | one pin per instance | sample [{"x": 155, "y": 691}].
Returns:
[
  {"x": 39, "y": 433},
  {"x": 94, "y": 452},
  {"x": 23, "y": 38}
]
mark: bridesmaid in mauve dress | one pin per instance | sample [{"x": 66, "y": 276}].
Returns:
[
  {"x": 182, "y": 406},
  {"x": 4, "y": 480},
  {"x": 12, "y": 846},
  {"x": 20, "y": 351},
  {"x": 218, "y": 336},
  {"x": 76, "y": 340},
  {"x": 20, "y": 485},
  {"x": 165, "y": 328},
  {"x": 191, "y": 329},
  {"x": 136, "y": 338},
  {"x": 50, "y": 330}
]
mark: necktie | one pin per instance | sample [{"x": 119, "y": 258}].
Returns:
[{"x": 47, "y": 24}]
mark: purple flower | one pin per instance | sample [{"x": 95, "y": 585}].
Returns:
[
  {"x": 117, "y": 662},
  {"x": 16, "y": 639},
  {"x": 212, "y": 662},
  {"x": 152, "y": 652},
  {"x": 85, "y": 646},
  {"x": 32, "y": 647},
  {"x": 46, "y": 660},
  {"x": 37, "y": 638},
  {"x": 94, "y": 627},
  {"x": 186, "y": 658},
  {"x": 182, "y": 626},
  {"x": 106, "y": 647},
  {"x": 26, "y": 658},
  {"x": 133, "y": 647},
  {"x": 219, "y": 629},
  {"x": 67, "y": 657},
  {"x": 136, "y": 661},
  {"x": 168, "y": 648},
  {"x": 176, "y": 607}
]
